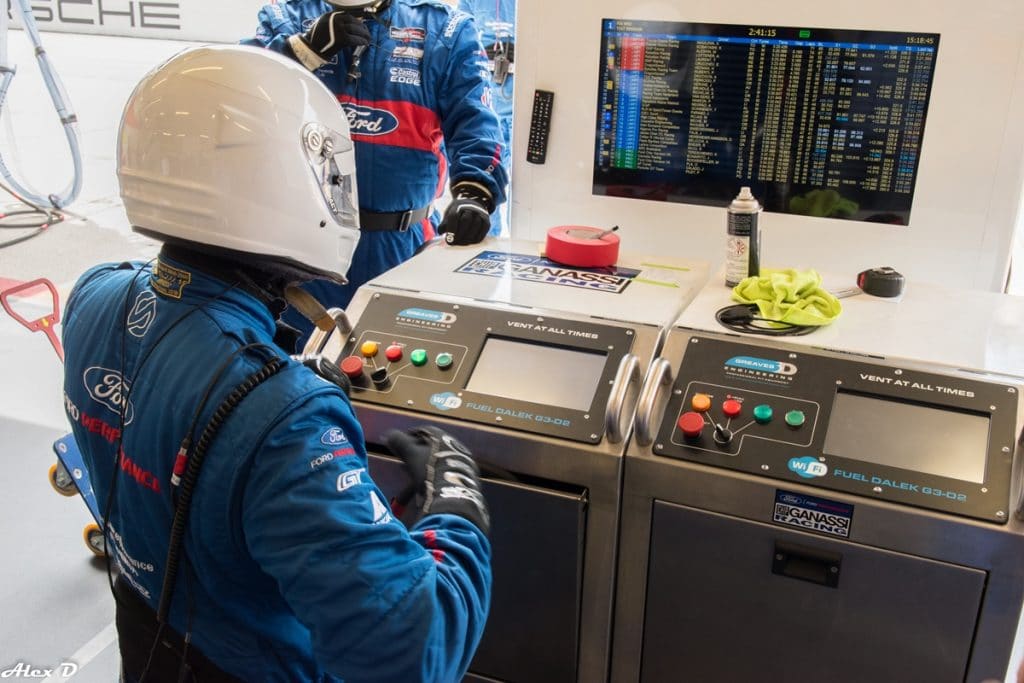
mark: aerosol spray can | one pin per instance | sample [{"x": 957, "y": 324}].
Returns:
[{"x": 743, "y": 242}]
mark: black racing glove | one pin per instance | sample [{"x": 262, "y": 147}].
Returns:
[
  {"x": 467, "y": 219},
  {"x": 325, "y": 369},
  {"x": 444, "y": 476},
  {"x": 330, "y": 34}
]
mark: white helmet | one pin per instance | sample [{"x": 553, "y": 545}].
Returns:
[{"x": 244, "y": 149}]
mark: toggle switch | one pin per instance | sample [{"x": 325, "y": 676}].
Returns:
[
  {"x": 380, "y": 378},
  {"x": 723, "y": 436}
]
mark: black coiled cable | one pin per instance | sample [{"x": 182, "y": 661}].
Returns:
[
  {"x": 745, "y": 318},
  {"x": 191, "y": 476}
]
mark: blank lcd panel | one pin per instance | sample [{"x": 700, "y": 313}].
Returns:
[
  {"x": 551, "y": 375},
  {"x": 937, "y": 441}
]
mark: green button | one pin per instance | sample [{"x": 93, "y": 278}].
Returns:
[
  {"x": 418, "y": 357},
  {"x": 444, "y": 360},
  {"x": 763, "y": 413},
  {"x": 795, "y": 418}
]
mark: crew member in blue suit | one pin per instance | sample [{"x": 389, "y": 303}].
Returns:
[
  {"x": 251, "y": 542},
  {"x": 412, "y": 78},
  {"x": 496, "y": 23}
]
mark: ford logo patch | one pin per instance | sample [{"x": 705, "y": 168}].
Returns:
[
  {"x": 108, "y": 388},
  {"x": 333, "y": 437},
  {"x": 369, "y": 121}
]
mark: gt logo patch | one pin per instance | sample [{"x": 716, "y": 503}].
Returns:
[{"x": 347, "y": 480}]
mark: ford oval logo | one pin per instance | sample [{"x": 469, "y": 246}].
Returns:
[
  {"x": 108, "y": 388},
  {"x": 333, "y": 437},
  {"x": 369, "y": 121}
]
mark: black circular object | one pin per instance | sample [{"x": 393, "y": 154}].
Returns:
[{"x": 884, "y": 282}]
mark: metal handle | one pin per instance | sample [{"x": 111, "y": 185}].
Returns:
[
  {"x": 658, "y": 375},
  {"x": 318, "y": 339},
  {"x": 627, "y": 375}
]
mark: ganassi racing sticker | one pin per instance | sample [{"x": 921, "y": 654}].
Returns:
[{"x": 809, "y": 513}]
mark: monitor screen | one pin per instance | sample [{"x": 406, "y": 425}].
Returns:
[
  {"x": 551, "y": 375},
  {"x": 818, "y": 122},
  {"x": 932, "y": 440}
]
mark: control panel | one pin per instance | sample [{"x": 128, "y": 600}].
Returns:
[
  {"x": 942, "y": 442},
  {"x": 511, "y": 369},
  {"x": 731, "y": 416}
]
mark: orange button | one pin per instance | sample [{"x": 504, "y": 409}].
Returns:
[
  {"x": 369, "y": 349},
  {"x": 701, "y": 403},
  {"x": 731, "y": 408}
]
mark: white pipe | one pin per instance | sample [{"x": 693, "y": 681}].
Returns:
[{"x": 60, "y": 103}]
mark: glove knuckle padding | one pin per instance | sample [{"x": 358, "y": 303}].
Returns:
[{"x": 444, "y": 472}]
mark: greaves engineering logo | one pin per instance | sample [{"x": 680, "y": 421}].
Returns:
[
  {"x": 108, "y": 388},
  {"x": 369, "y": 121},
  {"x": 762, "y": 369}
]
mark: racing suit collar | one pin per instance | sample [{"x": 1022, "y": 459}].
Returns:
[{"x": 250, "y": 290}]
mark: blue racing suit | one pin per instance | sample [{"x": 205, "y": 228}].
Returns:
[
  {"x": 423, "y": 101},
  {"x": 295, "y": 567},
  {"x": 496, "y": 23}
]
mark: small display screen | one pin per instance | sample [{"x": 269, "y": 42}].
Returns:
[
  {"x": 551, "y": 375},
  {"x": 930, "y": 440},
  {"x": 821, "y": 122}
]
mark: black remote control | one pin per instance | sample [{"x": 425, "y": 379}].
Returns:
[{"x": 540, "y": 124}]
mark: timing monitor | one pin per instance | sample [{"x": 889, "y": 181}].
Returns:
[{"x": 819, "y": 122}]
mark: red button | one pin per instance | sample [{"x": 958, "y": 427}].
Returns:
[
  {"x": 731, "y": 408},
  {"x": 352, "y": 366},
  {"x": 393, "y": 353},
  {"x": 691, "y": 424}
]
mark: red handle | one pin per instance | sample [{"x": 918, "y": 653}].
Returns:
[{"x": 47, "y": 323}]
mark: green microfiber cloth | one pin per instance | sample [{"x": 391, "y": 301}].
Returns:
[
  {"x": 823, "y": 203},
  {"x": 790, "y": 296}
]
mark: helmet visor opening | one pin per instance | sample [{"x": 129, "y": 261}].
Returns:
[{"x": 331, "y": 158}]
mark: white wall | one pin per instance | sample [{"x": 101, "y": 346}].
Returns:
[
  {"x": 969, "y": 183},
  {"x": 199, "y": 20}
]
